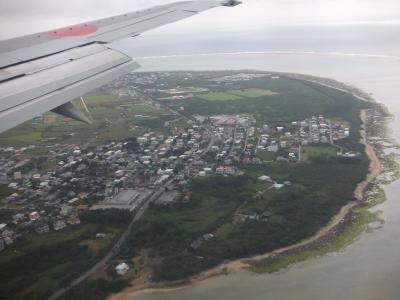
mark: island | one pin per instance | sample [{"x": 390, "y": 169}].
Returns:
[{"x": 181, "y": 176}]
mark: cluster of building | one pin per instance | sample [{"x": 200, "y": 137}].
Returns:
[
  {"x": 155, "y": 166},
  {"x": 120, "y": 175},
  {"x": 321, "y": 130},
  {"x": 288, "y": 140}
]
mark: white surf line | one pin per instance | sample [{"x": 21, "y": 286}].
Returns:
[{"x": 365, "y": 55}]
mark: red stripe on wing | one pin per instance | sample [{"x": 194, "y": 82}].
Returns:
[{"x": 77, "y": 30}]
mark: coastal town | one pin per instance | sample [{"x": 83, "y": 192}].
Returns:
[
  {"x": 200, "y": 157},
  {"x": 125, "y": 174}
]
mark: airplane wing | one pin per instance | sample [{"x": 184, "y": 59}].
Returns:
[{"x": 45, "y": 71}]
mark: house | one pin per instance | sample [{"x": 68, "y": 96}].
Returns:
[
  {"x": 13, "y": 185},
  {"x": 42, "y": 229},
  {"x": 7, "y": 233},
  {"x": 278, "y": 186},
  {"x": 265, "y": 178},
  {"x": 196, "y": 243},
  {"x": 58, "y": 225},
  {"x": 266, "y": 215},
  {"x": 200, "y": 240},
  {"x": 83, "y": 207},
  {"x": 273, "y": 148},
  {"x": 18, "y": 218},
  {"x": 8, "y": 240},
  {"x": 33, "y": 216},
  {"x": 66, "y": 210},
  {"x": 73, "y": 220},
  {"x": 122, "y": 268},
  {"x": 208, "y": 236}
]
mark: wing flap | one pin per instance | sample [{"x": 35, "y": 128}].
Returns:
[
  {"x": 51, "y": 86},
  {"x": 25, "y": 88},
  {"x": 47, "y": 62}
]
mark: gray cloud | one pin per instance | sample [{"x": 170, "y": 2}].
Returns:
[{"x": 19, "y": 17}]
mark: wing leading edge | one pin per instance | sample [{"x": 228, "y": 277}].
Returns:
[{"x": 44, "y": 71}]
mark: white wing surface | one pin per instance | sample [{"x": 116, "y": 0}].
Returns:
[{"x": 45, "y": 71}]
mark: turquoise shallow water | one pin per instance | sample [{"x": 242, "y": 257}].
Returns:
[{"x": 369, "y": 269}]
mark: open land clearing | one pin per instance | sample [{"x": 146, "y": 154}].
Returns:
[{"x": 236, "y": 94}]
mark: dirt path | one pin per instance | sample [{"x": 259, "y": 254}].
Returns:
[{"x": 375, "y": 168}]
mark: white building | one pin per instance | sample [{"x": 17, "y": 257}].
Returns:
[
  {"x": 58, "y": 225},
  {"x": 122, "y": 268}
]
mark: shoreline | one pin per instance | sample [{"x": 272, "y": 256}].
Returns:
[{"x": 336, "y": 223}]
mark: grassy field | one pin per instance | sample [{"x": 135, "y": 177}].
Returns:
[
  {"x": 252, "y": 93},
  {"x": 294, "y": 100},
  {"x": 236, "y": 94},
  {"x": 219, "y": 96},
  {"x": 97, "y": 98},
  {"x": 266, "y": 155},
  {"x": 310, "y": 152},
  {"x": 30, "y": 138},
  {"x": 113, "y": 118}
]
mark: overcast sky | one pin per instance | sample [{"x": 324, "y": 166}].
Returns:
[{"x": 19, "y": 17}]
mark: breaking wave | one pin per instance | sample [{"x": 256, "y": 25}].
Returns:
[{"x": 362, "y": 55}]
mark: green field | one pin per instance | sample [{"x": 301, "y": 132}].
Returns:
[
  {"x": 96, "y": 98},
  {"x": 236, "y": 94},
  {"x": 252, "y": 93},
  {"x": 219, "y": 96},
  {"x": 325, "y": 151},
  {"x": 113, "y": 118},
  {"x": 266, "y": 155},
  {"x": 294, "y": 100}
]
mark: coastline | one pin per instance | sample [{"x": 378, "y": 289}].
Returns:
[{"x": 324, "y": 234}]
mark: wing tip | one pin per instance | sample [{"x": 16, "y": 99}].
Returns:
[{"x": 232, "y": 3}]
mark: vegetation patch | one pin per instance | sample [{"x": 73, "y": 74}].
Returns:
[
  {"x": 27, "y": 275},
  {"x": 236, "y": 94},
  {"x": 266, "y": 155},
  {"x": 219, "y": 96},
  {"x": 325, "y": 152}
]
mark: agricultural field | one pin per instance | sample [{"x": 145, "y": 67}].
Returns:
[
  {"x": 252, "y": 93},
  {"x": 326, "y": 151},
  {"x": 113, "y": 118},
  {"x": 266, "y": 155},
  {"x": 236, "y": 94}
]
